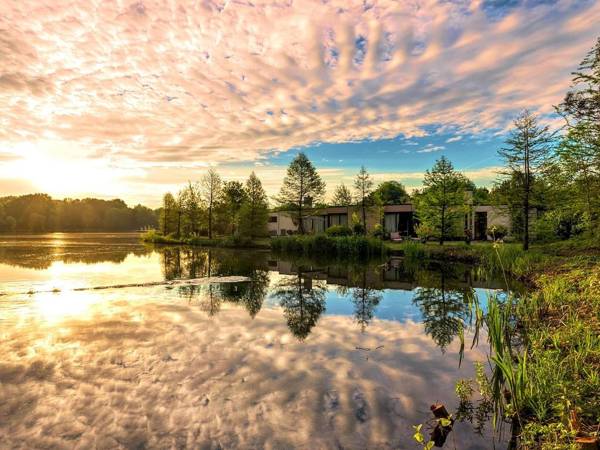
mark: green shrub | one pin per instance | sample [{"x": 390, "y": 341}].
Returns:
[
  {"x": 321, "y": 245},
  {"x": 339, "y": 230},
  {"x": 358, "y": 229},
  {"x": 497, "y": 232},
  {"x": 379, "y": 232}
]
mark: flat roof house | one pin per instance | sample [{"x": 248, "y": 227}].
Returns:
[{"x": 399, "y": 218}]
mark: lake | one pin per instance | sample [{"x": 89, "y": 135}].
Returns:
[{"x": 108, "y": 343}]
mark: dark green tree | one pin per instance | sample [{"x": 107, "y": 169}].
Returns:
[
  {"x": 441, "y": 203},
  {"x": 363, "y": 187},
  {"x": 254, "y": 212},
  {"x": 365, "y": 300},
  {"x": 234, "y": 196},
  {"x": 302, "y": 303},
  {"x": 392, "y": 193},
  {"x": 302, "y": 187},
  {"x": 211, "y": 188},
  {"x": 527, "y": 152},
  {"x": 341, "y": 196}
]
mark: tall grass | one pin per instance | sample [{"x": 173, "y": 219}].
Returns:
[
  {"x": 545, "y": 353},
  {"x": 320, "y": 245}
]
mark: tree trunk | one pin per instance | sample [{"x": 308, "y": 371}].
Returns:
[
  {"x": 364, "y": 214},
  {"x": 179, "y": 223},
  {"x": 300, "y": 218},
  {"x": 165, "y": 214},
  {"x": 210, "y": 221},
  {"x": 443, "y": 225}
]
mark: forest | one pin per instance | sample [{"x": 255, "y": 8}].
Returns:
[{"x": 40, "y": 213}]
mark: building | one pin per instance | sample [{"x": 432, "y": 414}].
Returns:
[{"x": 394, "y": 219}]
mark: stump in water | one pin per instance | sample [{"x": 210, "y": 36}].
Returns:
[{"x": 440, "y": 432}]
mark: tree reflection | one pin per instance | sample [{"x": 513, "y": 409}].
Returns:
[
  {"x": 190, "y": 263},
  {"x": 444, "y": 309},
  {"x": 365, "y": 300},
  {"x": 302, "y": 301}
]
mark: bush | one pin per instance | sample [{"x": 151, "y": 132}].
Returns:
[
  {"x": 497, "y": 232},
  {"x": 379, "y": 232},
  {"x": 556, "y": 225},
  {"x": 358, "y": 229},
  {"x": 321, "y": 245},
  {"x": 338, "y": 230},
  {"x": 425, "y": 232}
]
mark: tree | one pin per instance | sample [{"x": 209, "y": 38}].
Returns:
[
  {"x": 180, "y": 205},
  {"x": 168, "y": 210},
  {"x": 341, "y": 196},
  {"x": 234, "y": 197},
  {"x": 582, "y": 102},
  {"x": 442, "y": 201},
  {"x": 391, "y": 193},
  {"x": 579, "y": 162},
  {"x": 302, "y": 186},
  {"x": 527, "y": 152},
  {"x": 445, "y": 311},
  {"x": 211, "y": 188},
  {"x": 365, "y": 300},
  {"x": 193, "y": 208},
  {"x": 363, "y": 186},
  {"x": 254, "y": 212},
  {"x": 302, "y": 303}
]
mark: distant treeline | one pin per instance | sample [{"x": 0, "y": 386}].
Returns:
[{"x": 38, "y": 213}]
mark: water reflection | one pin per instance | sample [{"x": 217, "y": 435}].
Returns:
[
  {"x": 445, "y": 308},
  {"x": 302, "y": 300},
  {"x": 271, "y": 362},
  {"x": 365, "y": 299}
]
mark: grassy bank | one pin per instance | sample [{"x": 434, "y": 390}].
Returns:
[
  {"x": 544, "y": 347},
  {"x": 152, "y": 237},
  {"x": 320, "y": 245}
]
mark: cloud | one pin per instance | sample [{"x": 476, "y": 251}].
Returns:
[
  {"x": 453, "y": 139},
  {"x": 134, "y": 97},
  {"x": 210, "y": 82},
  {"x": 430, "y": 148}
]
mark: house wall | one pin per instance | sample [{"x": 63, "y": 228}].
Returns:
[
  {"x": 281, "y": 222},
  {"x": 282, "y": 225}
]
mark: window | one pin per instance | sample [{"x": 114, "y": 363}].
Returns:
[{"x": 273, "y": 219}]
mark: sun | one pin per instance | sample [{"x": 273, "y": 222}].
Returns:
[{"x": 60, "y": 173}]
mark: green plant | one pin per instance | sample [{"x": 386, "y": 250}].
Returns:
[
  {"x": 497, "y": 232},
  {"x": 338, "y": 230}
]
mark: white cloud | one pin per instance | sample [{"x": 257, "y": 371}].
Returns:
[
  {"x": 430, "y": 148},
  {"x": 192, "y": 84},
  {"x": 453, "y": 139}
]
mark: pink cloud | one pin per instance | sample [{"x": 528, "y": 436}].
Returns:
[{"x": 214, "y": 82}]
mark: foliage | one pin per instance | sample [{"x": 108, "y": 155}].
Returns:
[
  {"x": 378, "y": 231},
  {"x": 358, "y": 229},
  {"x": 391, "y": 193},
  {"x": 234, "y": 196},
  {"x": 425, "y": 231},
  {"x": 321, "y": 245},
  {"x": 526, "y": 154},
  {"x": 302, "y": 186},
  {"x": 341, "y": 196},
  {"x": 559, "y": 224},
  {"x": 441, "y": 204},
  {"x": 211, "y": 188},
  {"x": 39, "y": 213},
  {"x": 497, "y": 232},
  {"x": 254, "y": 213},
  {"x": 302, "y": 301},
  {"x": 582, "y": 102},
  {"x": 338, "y": 230},
  {"x": 363, "y": 186}
]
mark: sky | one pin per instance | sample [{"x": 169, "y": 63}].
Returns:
[{"x": 131, "y": 99}]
